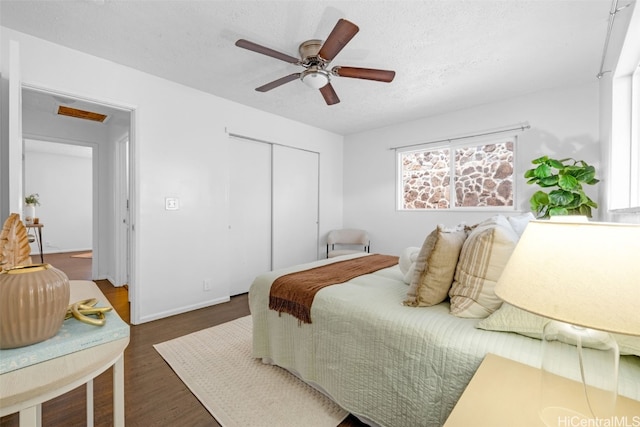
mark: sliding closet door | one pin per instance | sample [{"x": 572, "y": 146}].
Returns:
[
  {"x": 295, "y": 206},
  {"x": 250, "y": 212}
]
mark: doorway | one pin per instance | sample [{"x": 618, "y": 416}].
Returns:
[
  {"x": 111, "y": 170},
  {"x": 62, "y": 177}
]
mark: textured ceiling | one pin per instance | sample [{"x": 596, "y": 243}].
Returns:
[{"x": 447, "y": 55}]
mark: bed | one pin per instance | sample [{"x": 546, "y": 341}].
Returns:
[{"x": 387, "y": 363}]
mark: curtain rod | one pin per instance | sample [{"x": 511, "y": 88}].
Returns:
[
  {"x": 520, "y": 128},
  {"x": 612, "y": 16}
]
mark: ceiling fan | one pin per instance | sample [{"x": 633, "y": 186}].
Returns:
[{"x": 315, "y": 57}]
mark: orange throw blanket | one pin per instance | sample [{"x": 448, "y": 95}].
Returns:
[{"x": 293, "y": 293}]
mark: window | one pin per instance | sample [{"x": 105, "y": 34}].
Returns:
[{"x": 463, "y": 176}]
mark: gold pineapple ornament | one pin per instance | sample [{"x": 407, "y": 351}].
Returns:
[{"x": 14, "y": 244}]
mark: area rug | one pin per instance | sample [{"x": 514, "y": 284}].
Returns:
[
  {"x": 238, "y": 390},
  {"x": 84, "y": 255}
]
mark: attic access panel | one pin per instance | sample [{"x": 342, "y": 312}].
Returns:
[{"x": 81, "y": 114}]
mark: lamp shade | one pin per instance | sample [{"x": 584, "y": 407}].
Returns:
[{"x": 586, "y": 274}]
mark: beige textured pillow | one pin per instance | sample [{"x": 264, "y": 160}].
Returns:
[
  {"x": 435, "y": 266},
  {"x": 513, "y": 319},
  {"x": 482, "y": 259}
]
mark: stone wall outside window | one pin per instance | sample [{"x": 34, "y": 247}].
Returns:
[{"x": 483, "y": 177}]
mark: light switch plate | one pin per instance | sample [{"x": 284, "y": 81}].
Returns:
[{"x": 171, "y": 203}]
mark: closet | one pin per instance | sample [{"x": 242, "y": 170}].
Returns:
[{"x": 273, "y": 202}]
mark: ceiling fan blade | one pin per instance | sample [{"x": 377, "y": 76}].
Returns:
[
  {"x": 364, "y": 73},
  {"x": 330, "y": 96},
  {"x": 246, "y": 44},
  {"x": 341, "y": 34},
  {"x": 282, "y": 80}
]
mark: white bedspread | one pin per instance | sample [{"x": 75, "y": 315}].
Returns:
[{"x": 383, "y": 361}]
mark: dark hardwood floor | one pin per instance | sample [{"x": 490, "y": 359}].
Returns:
[{"x": 154, "y": 395}]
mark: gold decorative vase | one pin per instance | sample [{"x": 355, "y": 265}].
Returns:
[{"x": 33, "y": 304}]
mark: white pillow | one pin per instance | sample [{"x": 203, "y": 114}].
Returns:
[
  {"x": 408, "y": 276},
  {"x": 407, "y": 257},
  {"x": 519, "y": 222}
]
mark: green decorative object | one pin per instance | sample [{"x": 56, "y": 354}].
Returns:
[
  {"x": 32, "y": 199},
  {"x": 567, "y": 177}
]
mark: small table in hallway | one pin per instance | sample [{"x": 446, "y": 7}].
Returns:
[{"x": 38, "y": 236}]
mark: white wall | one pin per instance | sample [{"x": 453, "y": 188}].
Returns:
[
  {"x": 564, "y": 123},
  {"x": 180, "y": 150},
  {"x": 62, "y": 176}
]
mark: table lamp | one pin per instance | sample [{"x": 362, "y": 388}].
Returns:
[{"x": 585, "y": 277}]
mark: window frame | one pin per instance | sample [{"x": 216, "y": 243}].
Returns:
[
  {"x": 634, "y": 176},
  {"x": 452, "y": 146},
  {"x": 623, "y": 190}
]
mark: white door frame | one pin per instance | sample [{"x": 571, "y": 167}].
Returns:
[
  {"x": 16, "y": 146},
  {"x": 133, "y": 291},
  {"x": 121, "y": 212}
]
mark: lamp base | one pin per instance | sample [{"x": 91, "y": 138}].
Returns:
[{"x": 588, "y": 357}]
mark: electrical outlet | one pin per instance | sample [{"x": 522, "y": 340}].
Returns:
[{"x": 206, "y": 285}]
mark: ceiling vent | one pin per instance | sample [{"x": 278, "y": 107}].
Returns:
[{"x": 81, "y": 114}]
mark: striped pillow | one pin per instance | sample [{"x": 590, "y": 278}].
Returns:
[{"x": 482, "y": 259}]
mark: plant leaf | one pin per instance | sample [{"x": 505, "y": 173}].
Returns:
[
  {"x": 568, "y": 182},
  {"x": 575, "y": 202},
  {"x": 539, "y": 198},
  {"x": 556, "y": 164},
  {"x": 585, "y": 174},
  {"x": 558, "y": 211},
  {"x": 560, "y": 197},
  {"x": 540, "y": 160},
  {"x": 542, "y": 171},
  {"x": 548, "y": 181},
  {"x": 585, "y": 210}
]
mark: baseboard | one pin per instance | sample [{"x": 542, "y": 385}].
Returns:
[
  {"x": 59, "y": 251},
  {"x": 184, "y": 309}
]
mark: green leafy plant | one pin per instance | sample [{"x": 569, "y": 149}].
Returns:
[
  {"x": 32, "y": 199},
  {"x": 567, "y": 176}
]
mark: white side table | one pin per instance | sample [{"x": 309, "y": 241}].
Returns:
[{"x": 24, "y": 390}]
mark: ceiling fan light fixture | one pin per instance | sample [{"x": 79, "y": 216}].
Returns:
[{"x": 315, "y": 78}]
